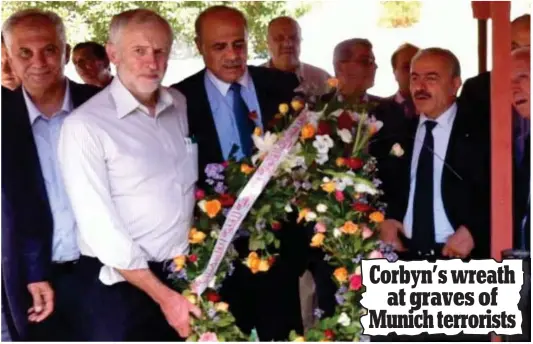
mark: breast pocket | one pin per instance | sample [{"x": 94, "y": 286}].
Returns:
[{"x": 188, "y": 171}]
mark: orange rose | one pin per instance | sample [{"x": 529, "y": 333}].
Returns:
[
  {"x": 303, "y": 214},
  {"x": 317, "y": 240},
  {"x": 196, "y": 237},
  {"x": 349, "y": 228},
  {"x": 341, "y": 275},
  {"x": 246, "y": 169},
  {"x": 253, "y": 262},
  {"x": 308, "y": 132},
  {"x": 340, "y": 162},
  {"x": 377, "y": 217},
  {"x": 212, "y": 208}
]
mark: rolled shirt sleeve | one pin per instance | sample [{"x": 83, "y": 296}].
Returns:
[{"x": 102, "y": 232}]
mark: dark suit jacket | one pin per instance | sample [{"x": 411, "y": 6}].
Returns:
[
  {"x": 30, "y": 233},
  {"x": 465, "y": 177}
]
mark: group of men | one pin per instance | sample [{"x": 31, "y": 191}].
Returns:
[{"x": 98, "y": 180}]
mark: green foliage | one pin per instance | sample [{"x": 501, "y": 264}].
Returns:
[
  {"x": 399, "y": 14},
  {"x": 89, "y": 20}
]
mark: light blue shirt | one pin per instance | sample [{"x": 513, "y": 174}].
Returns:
[
  {"x": 46, "y": 134},
  {"x": 221, "y": 102}
]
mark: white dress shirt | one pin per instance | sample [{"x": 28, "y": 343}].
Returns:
[
  {"x": 441, "y": 137},
  {"x": 130, "y": 178}
]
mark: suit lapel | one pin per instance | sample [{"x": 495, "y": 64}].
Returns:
[{"x": 267, "y": 101}]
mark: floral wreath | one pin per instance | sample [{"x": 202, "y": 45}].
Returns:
[{"x": 329, "y": 179}]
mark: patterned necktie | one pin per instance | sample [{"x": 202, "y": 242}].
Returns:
[
  {"x": 423, "y": 214},
  {"x": 244, "y": 123}
]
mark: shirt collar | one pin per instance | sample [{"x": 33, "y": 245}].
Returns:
[
  {"x": 444, "y": 121},
  {"x": 35, "y": 113},
  {"x": 126, "y": 103},
  {"x": 223, "y": 87}
]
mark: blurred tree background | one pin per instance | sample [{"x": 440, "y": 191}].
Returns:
[
  {"x": 89, "y": 20},
  {"x": 399, "y": 14}
]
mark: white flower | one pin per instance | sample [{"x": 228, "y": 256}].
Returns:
[
  {"x": 321, "y": 147},
  {"x": 344, "y": 319},
  {"x": 310, "y": 216},
  {"x": 321, "y": 159},
  {"x": 326, "y": 180},
  {"x": 326, "y": 140},
  {"x": 214, "y": 234},
  {"x": 397, "y": 150},
  {"x": 201, "y": 205},
  {"x": 365, "y": 188},
  {"x": 321, "y": 208},
  {"x": 375, "y": 125},
  {"x": 347, "y": 180},
  {"x": 212, "y": 284},
  {"x": 264, "y": 144},
  {"x": 346, "y": 135},
  {"x": 288, "y": 208},
  {"x": 337, "y": 233}
]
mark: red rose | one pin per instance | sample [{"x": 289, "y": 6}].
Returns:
[
  {"x": 252, "y": 115},
  {"x": 199, "y": 194},
  {"x": 355, "y": 282},
  {"x": 225, "y": 164},
  {"x": 339, "y": 196},
  {"x": 345, "y": 121},
  {"x": 227, "y": 200},
  {"x": 276, "y": 226},
  {"x": 354, "y": 163},
  {"x": 193, "y": 258},
  {"x": 329, "y": 334},
  {"x": 213, "y": 297},
  {"x": 271, "y": 260},
  {"x": 361, "y": 207},
  {"x": 323, "y": 128}
]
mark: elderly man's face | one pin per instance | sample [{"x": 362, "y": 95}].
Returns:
[
  {"x": 402, "y": 68},
  {"x": 356, "y": 69},
  {"x": 433, "y": 87},
  {"x": 37, "y": 54},
  {"x": 521, "y": 86},
  {"x": 284, "y": 43},
  {"x": 224, "y": 45},
  {"x": 9, "y": 79},
  {"x": 88, "y": 66},
  {"x": 141, "y": 56}
]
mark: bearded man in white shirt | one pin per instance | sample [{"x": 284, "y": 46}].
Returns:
[{"x": 130, "y": 176}]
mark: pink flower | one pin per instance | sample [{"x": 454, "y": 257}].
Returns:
[
  {"x": 367, "y": 233},
  {"x": 356, "y": 282},
  {"x": 339, "y": 196},
  {"x": 199, "y": 194},
  {"x": 208, "y": 337},
  {"x": 375, "y": 255},
  {"x": 320, "y": 227}
]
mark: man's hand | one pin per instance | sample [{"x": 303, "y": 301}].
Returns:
[
  {"x": 388, "y": 233},
  {"x": 459, "y": 245},
  {"x": 176, "y": 309},
  {"x": 43, "y": 301}
]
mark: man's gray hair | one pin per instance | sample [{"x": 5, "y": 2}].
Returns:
[
  {"x": 447, "y": 54},
  {"x": 33, "y": 13},
  {"x": 138, "y": 16},
  {"x": 344, "y": 47}
]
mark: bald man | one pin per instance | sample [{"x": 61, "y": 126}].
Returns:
[{"x": 284, "y": 42}]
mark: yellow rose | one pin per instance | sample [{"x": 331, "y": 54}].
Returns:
[
  {"x": 299, "y": 339},
  {"x": 377, "y": 217},
  {"x": 179, "y": 261},
  {"x": 333, "y": 82},
  {"x": 297, "y": 104},
  {"x": 349, "y": 228},
  {"x": 246, "y": 169},
  {"x": 222, "y": 307},
  {"x": 258, "y": 131},
  {"x": 212, "y": 208},
  {"x": 253, "y": 261},
  {"x": 191, "y": 298},
  {"x": 317, "y": 240},
  {"x": 308, "y": 132},
  {"x": 283, "y": 108},
  {"x": 196, "y": 237},
  {"x": 341, "y": 275},
  {"x": 329, "y": 187},
  {"x": 264, "y": 266}
]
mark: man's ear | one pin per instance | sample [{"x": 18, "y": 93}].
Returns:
[
  {"x": 457, "y": 82},
  {"x": 198, "y": 43},
  {"x": 112, "y": 54}
]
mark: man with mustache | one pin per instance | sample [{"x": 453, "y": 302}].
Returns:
[
  {"x": 37, "y": 52},
  {"x": 225, "y": 102},
  {"x": 401, "y": 65},
  {"x": 9, "y": 79},
  {"x": 355, "y": 68},
  {"x": 92, "y": 64},
  {"x": 436, "y": 180},
  {"x": 130, "y": 171},
  {"x": 284, "y": 43}
]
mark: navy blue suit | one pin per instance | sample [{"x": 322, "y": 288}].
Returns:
[{"x": 27, "y": 235}]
